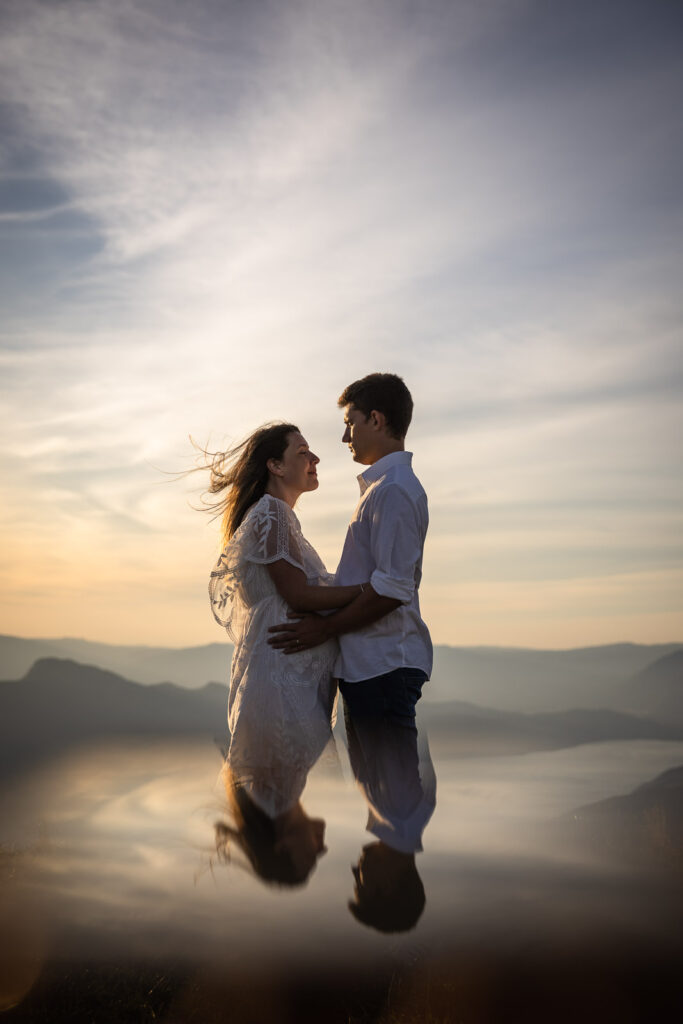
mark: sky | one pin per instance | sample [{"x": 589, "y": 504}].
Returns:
[{"x": 218, "y": 214}]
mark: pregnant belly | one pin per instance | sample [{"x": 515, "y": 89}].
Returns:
[{"x": 254, "y": 648}]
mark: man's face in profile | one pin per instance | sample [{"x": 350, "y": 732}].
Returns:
[
  {"x": 358, "y": 434},
  {"x": 372, "y": 881},
  {"x": 388, "y": 894}
]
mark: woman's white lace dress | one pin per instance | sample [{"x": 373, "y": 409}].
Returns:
[{"x": 280, "y": 707}]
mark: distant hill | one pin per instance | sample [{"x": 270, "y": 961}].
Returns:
[
  {"x": 60, "y": 704},
  {"x": 191, "y": 667},
  {"x": 515, "y": 679},
  {"x": 464, "y": 729},
  {"x": 511, "y": 679},
  {"x": 657, "y": 691},
  {"x": 645, "y": 825}
]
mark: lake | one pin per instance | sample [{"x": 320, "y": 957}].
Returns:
[{"x": 117, "y": 906}]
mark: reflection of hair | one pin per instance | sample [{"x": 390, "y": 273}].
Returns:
[
  {"x": 386, "y": 393},
  {"x": 397, "y": 911},
  {"x": 244, "y": 470},
  {"x": 255, "y": 836}
]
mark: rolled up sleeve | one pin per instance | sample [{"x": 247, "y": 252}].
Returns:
[{"x": 396, "y": 542}]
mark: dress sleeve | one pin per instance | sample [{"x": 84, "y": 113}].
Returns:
[
  {"x": 268, "y": 533},
  {"x": 273, "y": 534}
]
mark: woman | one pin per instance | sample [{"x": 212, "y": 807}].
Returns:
[{"x": 280, "y": 708}]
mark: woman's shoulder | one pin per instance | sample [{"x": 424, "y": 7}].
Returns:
[
  {"x": 269, "y": 505},
  {"x": 269, "y": 514},
  {"x": 270, "y": 501}
]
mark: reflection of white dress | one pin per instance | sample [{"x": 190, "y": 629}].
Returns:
[{"x": 280, "y": 706}]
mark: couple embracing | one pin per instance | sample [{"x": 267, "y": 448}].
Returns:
[{"x": 297, "y": 629}]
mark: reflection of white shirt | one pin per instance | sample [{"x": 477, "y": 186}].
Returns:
[
  {"x": 384, "y": 544},
  {"x": 399, "y": 790}
]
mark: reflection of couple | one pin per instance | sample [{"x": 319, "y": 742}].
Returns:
[{"x": 296, "y": 629}]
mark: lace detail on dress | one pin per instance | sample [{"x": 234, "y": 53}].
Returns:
[{"x": 270, "y": 531}]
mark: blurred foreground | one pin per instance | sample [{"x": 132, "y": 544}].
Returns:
[{"x": 116, "y": 907}]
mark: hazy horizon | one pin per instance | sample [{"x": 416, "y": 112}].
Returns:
[{"x": 224, "y": 640}]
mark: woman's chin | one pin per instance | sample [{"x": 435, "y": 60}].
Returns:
[{"x": 313, "y": 484}]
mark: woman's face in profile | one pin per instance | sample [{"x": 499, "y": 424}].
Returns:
[{"x": 299, "y": 464}]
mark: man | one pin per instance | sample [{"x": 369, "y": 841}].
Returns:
[
  {"x": 382, "y": 631},
  {"x": 385, "y": 648}
]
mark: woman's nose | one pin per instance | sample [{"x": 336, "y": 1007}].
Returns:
[
  {"x": 346, "y": 436},
  {"x": 314, "y": 458}
]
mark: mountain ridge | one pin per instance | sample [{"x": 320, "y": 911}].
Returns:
[
  {"x": 60, "y": 704},
  {"x": 513, "y": 679},
  {"x": 658, "y": 689},
  {"x": 645, "y": 825}
]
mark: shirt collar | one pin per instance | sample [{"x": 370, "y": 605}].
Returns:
[{"x": 379, "y": 468}]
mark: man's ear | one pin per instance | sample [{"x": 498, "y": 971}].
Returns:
[{"x": 378, "y": 420}]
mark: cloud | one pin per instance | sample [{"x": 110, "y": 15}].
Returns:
[{"x": 212, "y": 216}]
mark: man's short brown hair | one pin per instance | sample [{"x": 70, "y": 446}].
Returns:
[{"x": 386, "y": 393}]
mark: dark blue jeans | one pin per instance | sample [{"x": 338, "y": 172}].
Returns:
[
  {"x": 379, "y": 715},
  {"x": 391, "y": 696}
]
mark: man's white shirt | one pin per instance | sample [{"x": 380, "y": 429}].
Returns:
[{"x": 384, "y": 544}]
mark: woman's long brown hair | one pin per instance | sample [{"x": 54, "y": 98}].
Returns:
[{"x": 243, "y": 470}]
